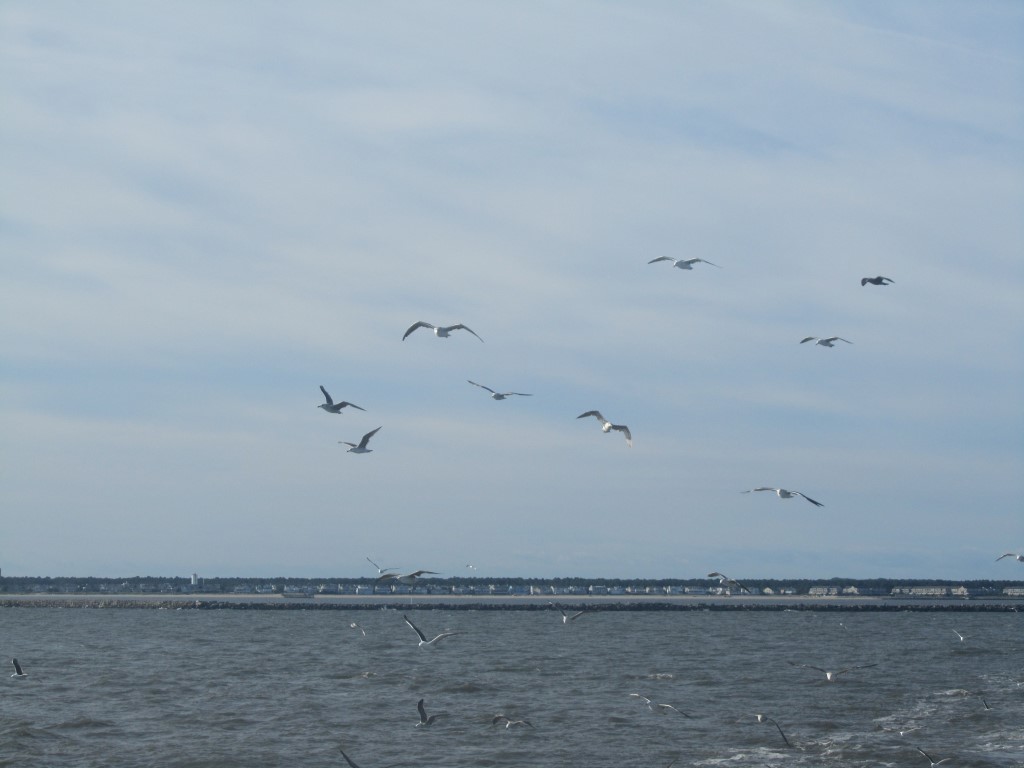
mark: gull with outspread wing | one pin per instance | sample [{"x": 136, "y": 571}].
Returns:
[
  {"x": 682, "y": 263},
  {"x": 829, "y": 675},
  {"x": 607, "y": 426},
  {"x": 441, "y": 331},
  {"x": 361, "y": 447},
  {"x": 332, "y": 407},
  {"x": 829, "y": 342},
  {"x": 499, "y": 395},
  {"x": 423, "y": 638},
  {"x": 782, "y": 493}
]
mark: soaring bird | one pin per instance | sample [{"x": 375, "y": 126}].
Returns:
[
  {"x": 380, "y": 570},
  {"x": 332, "y": 407},
  {"x": 831, "y": 676},
  {"x": 766, "y": 719},
  {"x": 405, "y": 578},
  {"x": 782, "y": 493},
  {"x": 18, "y": 673},
  {"x": 876, "y": 280},
  {"x": 441, "y": 331},
  {"x": 682, "y": 263},
  {"x": 1014, "y": 555},
  {"x": 509, "y": 722},
  {"x": 566, "y": 617},
  {"x": 607, "y": 425},
  {"x": 499, "y": 395},
  {"x": 725, "y": 581},
  {"x": 829, "y": 342},
  {"x": 931, "y": 759},
  {"x": 424, "y": 718},
  {"x": 361, "y": 448},
  {"x": 659, "y": 709},
  {"x": 423, "y": 638}
]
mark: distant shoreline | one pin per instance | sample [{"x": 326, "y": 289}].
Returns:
[{"x": 514, "y": 602}]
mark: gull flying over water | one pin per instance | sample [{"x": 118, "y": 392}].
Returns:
[
  {"x": 931, "y": 759},
  {"x": 607, "y": 426},
  {"x": 361, "y": 448},
  {"x": 725, "y": 581},
  {"x": 18, "y": 673},
  {"x": 424, "y": 718},
  {"x": 876, "y": 280},
  {"x": 356, "y": 626},
  {"x": 829, "y": 342},
  {"x": 766, "y": 719},
  {"x": 332, "y": 407},
  {"x": 831, "y": 676},
  {"x": 499, "y": 395},
  {"x": 1014, "y": 555},
  {"x": 682, "y": 263},
  {"x": 405, "y": 578},
  {"x": 566, "y": 617},
  {"x": 423, "y": 638},
  {"x": 659, "y": 709},
  {"x": 441, "y": 331},
  {"x": 353, "y": 764},
  {"x": 509, "y": 722},
  {"x": 782, "y": 493}
]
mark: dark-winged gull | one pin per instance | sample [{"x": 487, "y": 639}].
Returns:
[
  {"x": 361, "y": 447},
  {"x": 566, "y": 617},
  {"x": 18, "y": 672},
  {"x": 876, "y": 280},
  {"x": 499, "y": 395},
  {"x": 423, "y": 638},
  {"x": 725, "y": 581},
  {"x": 682, "y": 263},
  {"x": 607, "y": 426},
  {"x": 441, "y": 331},
  {"x": 509, "y": 722},
  {"x": 829, "y": 675},
  {"x": 766, "y": 719},
  {"x": 829, "y": 342},
  {"x": 332, "y": 407},
  {"x": 426, "y": 719},
  {"x": 782, "y": 493},
  {"x": 931, "y": 759},
  {"x": 405, "y": 578}
]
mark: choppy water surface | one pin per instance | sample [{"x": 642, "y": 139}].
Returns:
[{"x": 287, "y": 688}]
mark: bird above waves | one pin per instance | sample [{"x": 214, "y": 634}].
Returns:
[
  {"x": 829, "y": 342},
  {"x": 725, "y": 581},
  {"x": 682, "y": 263},
  {"x": 931, "y": 759},
  {"x": 659, "y": 709},
  {"x": 509, "y": 722},
  {"x": 766, "y": 719},
  {"x": 332, "y": 407},
  {"x": 566, "y": 617},
  {"x": 876, "y": 280},
  {"x": 831, "y": 676},
  {"x": 353, "y": 764},
  {"x": 1014, "y": 555},
  {"x": 18, "y": 672},
  {"x": 606, "y": 425},
  {"x": 499, "y": 395},
  {"x": 783, "y": 494},
  {"x": 354, "y": 625},
  {"x": 427, "y": 719},
  {"x": 361, "y": 447},
  {"x": 423, "y": 643},
  {"x": 441, "y": 331}
]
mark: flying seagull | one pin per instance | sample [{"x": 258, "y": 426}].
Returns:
[
  {"x": 499, "y": 395},
  {"x": 332, "y": 407},
  {"x": 423, "y": 638},
  {"x": 831, "y": 676},
  {"x": 405, "y": 578},
  {"x": 441, "y": 331},
  {"x": 424, "y": 718},
  {"x": 380, "y": 571},
  {"x": 509, "y": 722},
  {"x": 660, "y": 709},
  {"x": 17, "y": 670},
  {"x": 876, "y": 280},
  {"x": 566, "y": 618},
  {"x": 931, "y": 759},
  {"x": 682, "y": 263},
  {"x": 782, "y": 493},
  {"x": 356, "y": 626},
  {"x": 361, "y": 448},
  {"x": 725, "y": 581},
  {"x": 829, "y": 342},
  {"x": 962, "y": 638},
  {"x": 1014, "y": 555},
  {"x": 607, "y": 425},
  {"x": 766, "y": 719}
]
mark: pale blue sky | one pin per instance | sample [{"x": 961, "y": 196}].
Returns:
[{"x": 209, "y": 209}]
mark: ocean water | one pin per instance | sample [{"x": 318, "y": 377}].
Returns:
[{"x": 206, "y": 688}]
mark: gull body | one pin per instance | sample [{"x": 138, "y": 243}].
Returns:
[
  {"x": 659, "y": 709},
  {"x": 423, "y": 638},
  {"x": 782, "y": 493},
  {"x": 441, "y": 331},
  {"x": 876, "y": 280},
  {"x": 725, "y": 581},
  {"x": 931, "y": 759},
  {"x": 829, "y": 342},
  {"x": 332, "y": 407},
  {"x": 424, "y": 718},
  {"x": 766, "y": 719},
  {"x": 829, "y": 675},
  {"x": 509, "y": 722},
  {"x": 607, "y": 426},
  {"x": 405, "y": 578},
  {"x": 361, "y": 447},
  {"x": 18, "y": 672},
  {"x": 682, "y": 263},
  {"x": 499, "y": 395},
  {"x": 1014, "y": 555}
]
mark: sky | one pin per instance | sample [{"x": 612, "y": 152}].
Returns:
[{"x": 208, "y": 210}]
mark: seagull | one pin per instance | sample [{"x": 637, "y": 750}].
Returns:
[
  {"x": 423, "y": 638},
  {"x": 361, "y": 448},
  {"x": 831, "y": 676},
  {"x": 424, "y": 719},
  {"x": 766, "y": 719},
  {"x": 17, "y": 670},
  {"x": 352, "y": 763},
  {"x": 404, "y": 578},
  {"x": 441, "y": 331},
  {"x": 356, "y": 626},
  {"x": 1014, "y": 555},
  {"x": 332, "y": 407},
  {"x": 782, "y": 493},
  {"x": 499, "y": 395},
  {"x": 725, "y": 581},
  {"x": 829, "y": 342},
  {"x": 958, "y": 635},
  {"x": 509, "y": 722},
  {"x": 932, "y": 760},
  {"x": 660, "y": 709},
  {"x": 380, "y": 571},
  {"x": 566, "y": 618},
  {"x": 607, "y": 425},
  {"x": 876, "y": 280},
  {"x": 682, "y": 263}
]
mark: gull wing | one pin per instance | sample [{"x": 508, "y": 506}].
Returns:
[
  {"x": 329, "y": 401},
  {"x": 345, "y": 403},
  {"x": 705, "y": 261},
  {"x": 368, "y": 435},
  {"x": 838, "y": 338},
  {"x": 458, "y": 326},
  {"x": 596, "y": 414},
  {"x": 482, "y": 386},
  {"x": 809, "y": 338},
  {"x": 414, "y": 628},
  {"x": 1008, "y": 554},
  {"x": 414, "y": 326},
  {"x": 815, "y": 503},
  {"x": 661, "y": 258},
  {"x": 624, "y": 430}
]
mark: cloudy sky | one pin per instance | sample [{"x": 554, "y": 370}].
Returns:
[{"x": 207, "y": 210}]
